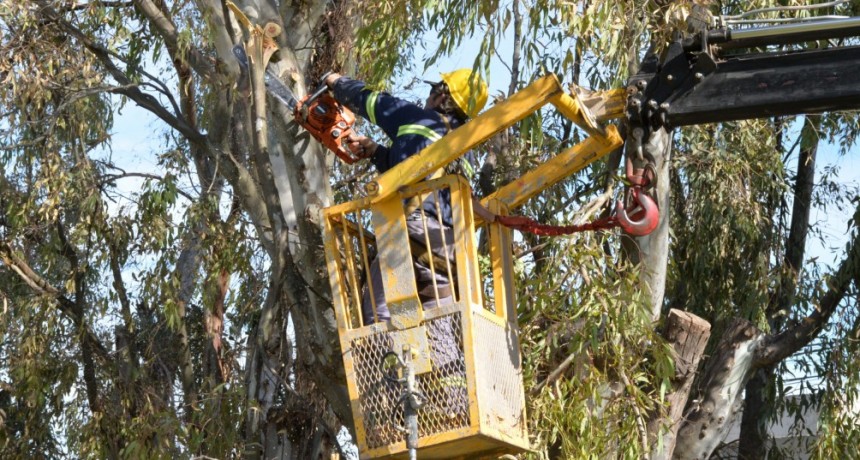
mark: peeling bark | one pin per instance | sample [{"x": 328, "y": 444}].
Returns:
[{"x": 214, "y": 318}]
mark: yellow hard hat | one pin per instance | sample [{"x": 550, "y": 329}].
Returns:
[{"x": 463, "y": 90}]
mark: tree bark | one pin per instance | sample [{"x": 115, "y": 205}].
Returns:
[
  {"x": 709, "y": 417},
  {"x": 688, "y": 335},
  {"x": 300, "y": 173},
  {"x": 651, "y": 251}
]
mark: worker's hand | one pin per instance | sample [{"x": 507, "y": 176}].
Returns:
[
  {"x": 331, "y": 78},
  {"x": 361, "y": 146}
]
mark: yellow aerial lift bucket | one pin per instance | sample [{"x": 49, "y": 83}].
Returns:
[{"x": 464, "y": 343}]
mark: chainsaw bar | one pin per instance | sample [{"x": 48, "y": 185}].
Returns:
[
  {"x": 280, "y": 91},
  {"x": 320, "y": 114},
  {"x": 274, "y": 85}
]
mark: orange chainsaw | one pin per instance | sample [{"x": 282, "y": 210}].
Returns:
[{"x": 327, "y": 120}]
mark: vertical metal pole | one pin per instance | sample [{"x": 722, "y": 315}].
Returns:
[{"x": 410, "y": 405}]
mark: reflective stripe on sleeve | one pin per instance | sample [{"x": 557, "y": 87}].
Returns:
[
  {"x": 420, "y": 131},
  {"x": 467, "y": 169},
  {"x": 370, "y": 106}
]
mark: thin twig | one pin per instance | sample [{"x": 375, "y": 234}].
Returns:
[
  {"x": 640, "y": 419},
  {"x": 112, "y": 177},
  {"x": 555, "y": 374},
  {"x": 104, "y": 4}
]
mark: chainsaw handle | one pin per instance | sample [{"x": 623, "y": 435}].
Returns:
[{"x": 322, "y": 89}]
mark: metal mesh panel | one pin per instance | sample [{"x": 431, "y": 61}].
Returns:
[
  {"x": 378, "y": 397},
  {"x": 447, "y": 405},
  {"x": 499, "y": 376}
]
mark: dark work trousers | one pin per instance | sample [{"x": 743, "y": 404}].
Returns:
[
  {"x": 442, "y": 332},
  {"x": 423, "y": 275}
]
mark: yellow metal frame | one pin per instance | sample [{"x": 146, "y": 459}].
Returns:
[
  {"x": 559, "y": 167},
  {"x": 480, "y": 434},
  {"x": 385, "y": 206}
]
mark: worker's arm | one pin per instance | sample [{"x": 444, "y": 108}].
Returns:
[
  {"x": 361, "y": 145},
  {"x": 378, "y": 107}
]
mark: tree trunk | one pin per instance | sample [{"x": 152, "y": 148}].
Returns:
[
  {"x": 752, "y": 443},
  {"x": 688, "y": 335},
  {"x": 707, "y": 420},
  {"x": 651, "y": 251},
  {"x": 264, "y": 378},
  {"x": 759, "y": 399}
]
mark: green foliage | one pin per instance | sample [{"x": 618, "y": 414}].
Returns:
[
  {"x": 39, "y": 372},
  {"x": 587, "y": 308},
  {"x": 837, "y": 434},
  {"x": 391, "y": 28},
  {"x": 724, "y": 219}
]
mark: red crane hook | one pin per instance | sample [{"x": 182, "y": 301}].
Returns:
[{"x": 643, "y": 216}]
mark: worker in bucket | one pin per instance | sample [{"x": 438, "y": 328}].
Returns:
[{"x": 459, "y": 96}]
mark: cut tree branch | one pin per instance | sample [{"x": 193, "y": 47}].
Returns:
[
  {"x": 688, "y": 334},
  {"x": 707, "y": 419}
]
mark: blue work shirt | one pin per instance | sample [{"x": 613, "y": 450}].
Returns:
[{"x": 410, "y": 127}]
